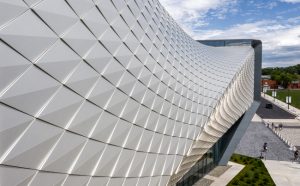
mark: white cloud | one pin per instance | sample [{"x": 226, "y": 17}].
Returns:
[
  {"x": 294, "y": 20},
  {"x": 271, "y": 5},
  {"x": 281, "y": 38},
  {"x": 263, "y": 4},
  {"x": 281, "y": 42},
  {"x": 291, "y": 1},
  {"x": 191, "y": 13},
  {"x": 272, "y": 33}
]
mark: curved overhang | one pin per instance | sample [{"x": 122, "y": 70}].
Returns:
[{"x": 100, "y": 92}]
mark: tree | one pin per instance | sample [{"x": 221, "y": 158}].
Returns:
[
  {"x": 285, "y": 79},
  {"x": 282, "y": 75}
]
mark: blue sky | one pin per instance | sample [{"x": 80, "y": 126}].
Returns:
[{"x": 275, "y": 22}]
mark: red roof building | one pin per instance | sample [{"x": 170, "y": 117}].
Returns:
[
  {"x": 294, "y": 85},
  {"x": 269, "y": 84}
]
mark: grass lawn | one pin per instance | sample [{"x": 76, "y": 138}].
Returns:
[
  {"x": 281, "y": 94},
  {"x": 254, "y": 172}
]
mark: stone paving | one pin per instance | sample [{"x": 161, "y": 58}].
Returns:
[
  {"x": 220, "y": 175},
  {"x": 219, "y": 170},
  {"x": 291, "y": 127},
  {"x": 290, "y": 131},
  {"x": 228, "y": 175},
  {"x": 256, "y": 135},
  {"x": 284, "y": 173},
  {"x": 204, "y": 182}
]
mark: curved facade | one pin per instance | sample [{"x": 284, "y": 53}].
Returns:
[{"x": 99, "y": 92}]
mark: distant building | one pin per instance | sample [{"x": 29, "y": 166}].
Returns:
[
  {"x": 265, "y": 77},
  {"x": 269, "y": 84},
  {"x": 294, "y": 85}
]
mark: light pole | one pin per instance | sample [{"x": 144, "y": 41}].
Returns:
[
  {"x": 274, "y": 94},
  {"x": 264, "y": 88},
  {"x": 264, "y": 91},
  {"x": 288, "y": 99}
]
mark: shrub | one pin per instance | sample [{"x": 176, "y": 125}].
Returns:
[{"x": 254, "y": 172}]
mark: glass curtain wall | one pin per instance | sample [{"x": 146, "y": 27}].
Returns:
[{"x": 209, "y": 160}]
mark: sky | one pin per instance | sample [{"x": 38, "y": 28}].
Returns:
[{"x": 275, "y": 22}]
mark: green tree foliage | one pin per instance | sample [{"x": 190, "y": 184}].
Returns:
[
  {"x": 292, "y": 70},
  {"x": 282, "y": 75}
]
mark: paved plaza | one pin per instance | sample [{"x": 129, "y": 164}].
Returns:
[
  {"x": 221, "y": 175},
  {"x": 290, "y": 131},
  {"x": 284, "y": 173},
  {"x": 256, "y": 135},
  {"x": 289, "y": 118}
]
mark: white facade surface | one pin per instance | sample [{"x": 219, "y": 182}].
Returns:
[{"x": 101, "y": 92}]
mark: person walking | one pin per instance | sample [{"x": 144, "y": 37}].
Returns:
[
  {"x": 272, "y": 126},
  {"x": 280, "y": 126},
  {"x": 296, "y": 155},
  {"x": 263, "y": 154},
  {"x": 265, "y": 147}
]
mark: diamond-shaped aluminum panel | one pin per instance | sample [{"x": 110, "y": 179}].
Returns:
[{"x": 99, "y": 92}]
